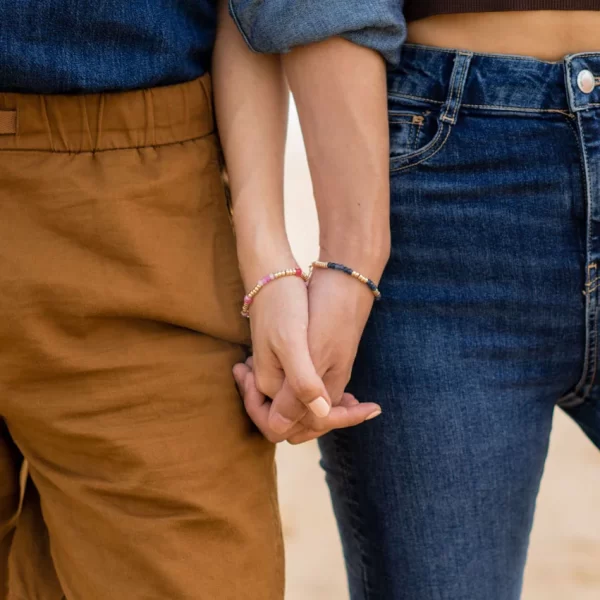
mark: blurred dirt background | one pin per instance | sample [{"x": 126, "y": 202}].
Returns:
[{"x": 564, "y": 560}]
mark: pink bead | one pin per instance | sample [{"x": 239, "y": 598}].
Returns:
[{"x": 248, "y": 300}]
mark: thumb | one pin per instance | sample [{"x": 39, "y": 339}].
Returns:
[
  {"x": 303, "y": 381},
  {"x": 303, "y": 390}
]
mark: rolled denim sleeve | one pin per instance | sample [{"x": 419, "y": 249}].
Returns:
[{"x": 276, "y": 26}]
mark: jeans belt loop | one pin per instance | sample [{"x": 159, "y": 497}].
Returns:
[{"x": 462, "y": 60}]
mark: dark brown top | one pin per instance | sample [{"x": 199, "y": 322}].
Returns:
[{"x": 418, "y": 9}]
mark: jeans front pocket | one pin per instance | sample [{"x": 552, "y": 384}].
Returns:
[
  {"x": 416, "y": 132},
  {"x": 405, "y": 130}
]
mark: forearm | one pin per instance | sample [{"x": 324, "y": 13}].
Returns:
[
  {"x": 341, "y": 93},
  {"x": 251, "y": 99}
]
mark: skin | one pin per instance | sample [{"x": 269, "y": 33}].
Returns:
[
  {"x": 293, "y": 388},
  {"x": 547, "y": 35}
]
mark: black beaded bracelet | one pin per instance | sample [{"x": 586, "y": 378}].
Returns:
[{"x": 319, "y": 264}]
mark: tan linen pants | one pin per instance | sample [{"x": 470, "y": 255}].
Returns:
[{"x": 119, "y": 325}]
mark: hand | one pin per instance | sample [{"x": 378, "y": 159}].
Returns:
[
  {"x": 347, "y": 413},
  {"x": 279, "y": 323},
  {"x": 339, "y": 309}
]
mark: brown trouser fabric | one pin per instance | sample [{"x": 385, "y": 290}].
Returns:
[{"x": 119, "y": 325}]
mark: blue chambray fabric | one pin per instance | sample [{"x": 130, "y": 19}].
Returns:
[
  {"x": 80, "y": 46},
  {"x": 76, "y": 46},
  {"x": 279, "y": 25}
]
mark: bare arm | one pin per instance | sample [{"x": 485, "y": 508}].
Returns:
[
  {"x": 251, "y": 98},
  {"x": 341, "y": 93}
]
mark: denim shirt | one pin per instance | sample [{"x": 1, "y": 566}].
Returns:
[
  {"x": 81, "y": 46},
  {"x": 279, "y": 25}
]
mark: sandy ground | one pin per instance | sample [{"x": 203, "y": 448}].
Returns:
[{"x": 564, "y": 558}]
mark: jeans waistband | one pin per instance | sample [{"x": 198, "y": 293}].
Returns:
[
  {"x": 498, "y": 81},
  {"x": 109, "y": 121}
]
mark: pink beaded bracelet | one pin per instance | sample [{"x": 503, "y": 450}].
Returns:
[{"x": 249, "y": 297}]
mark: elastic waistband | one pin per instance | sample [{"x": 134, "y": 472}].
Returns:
[
  {"x": 498, "y": 81},
  {"x": 100, "y": 122}
]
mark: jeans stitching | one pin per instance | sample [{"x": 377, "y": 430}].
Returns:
[
  {"x": 349, "y": 497},
  {"x": 595, "y": 367},
  {"x": 459, "y": 88},
  {"x": 497, "y": 55},
  {"x": 568, "y": 77},
  {"x": 411, "y": 137},
  {"x": 595, "y": 280},
  {"x": 588, "y": 346},
  {"x": 579, "y": 386},
  {"x": 452, "y": 90},
  {"x": 417, "y": 133},
  {"x": 565, "y": 112},
  {"x": 397, "y": 95},
  {"x": 583, "y": 54},
  {"x": 500, "y": 107},
  {"x": 430, "y": 148},
  {"x": 427, "y": 148},
  {"x": 395, "y": 119}
]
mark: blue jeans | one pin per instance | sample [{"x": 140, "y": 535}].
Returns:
[{"x": 488, "y": 322}]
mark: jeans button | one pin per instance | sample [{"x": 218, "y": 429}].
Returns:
[{"x": 586, "y": 82}]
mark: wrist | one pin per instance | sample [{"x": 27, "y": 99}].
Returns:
[
  {"x": 335, "y": 297},
  {"x": 367, "y": 255},
  {"x": 259, "y": 260}
]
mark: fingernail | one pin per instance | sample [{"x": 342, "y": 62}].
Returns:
[
  {"x": 280, "y": 424},
  {"x": 373, "y": 415},
  {"x": 320, "y": 407}
]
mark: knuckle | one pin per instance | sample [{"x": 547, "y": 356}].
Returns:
[
  {"x": 320, "y": 427},
  {"x": 262, "y": 383}
]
